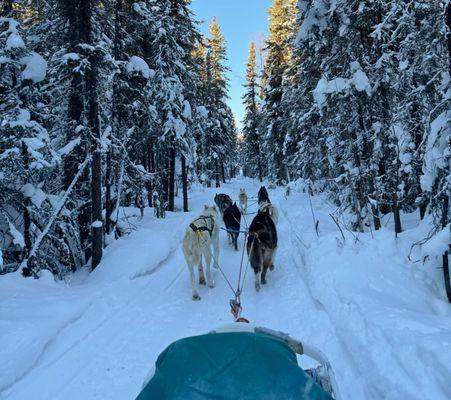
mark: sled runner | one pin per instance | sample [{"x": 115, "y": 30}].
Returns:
[{"x": 242, "y": 362}]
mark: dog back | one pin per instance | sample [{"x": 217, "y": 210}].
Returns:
[
  {"x": 263, "y": 230},
  {"x": 223, "y": 201},
  {"x": 232, "y": 218}
]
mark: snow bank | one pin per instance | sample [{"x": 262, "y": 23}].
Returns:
[
  {"x": 389, "y": 314},
  {"x": 140, "y": 253}
]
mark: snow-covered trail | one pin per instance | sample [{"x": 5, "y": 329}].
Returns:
[{"x": 99, "y": 339}]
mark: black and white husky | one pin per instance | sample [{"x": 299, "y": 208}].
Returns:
[
  {"x": 200, "y": 237},
  {"x": 262, "y": 245},
  {"x": 263, "y": 196},
  {"x": 273, "y": 211},
  {"x": 232, "y": 221},
  {"x": 223, "y": 201}
]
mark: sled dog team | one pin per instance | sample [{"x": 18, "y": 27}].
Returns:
[{"x": 202, "y": 237}]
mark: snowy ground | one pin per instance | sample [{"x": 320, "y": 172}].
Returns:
[{"x": 381, "y": 320}]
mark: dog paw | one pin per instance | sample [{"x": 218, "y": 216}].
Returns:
[
  {"x": 271, "y": 267},
  {"x": 202, "y": 281},
  {"x": 196, "y": 297},
  {"x": 263, "y": 281},
  {"x": 211, "y": 285},
  {"x": 257, "y": 287}
]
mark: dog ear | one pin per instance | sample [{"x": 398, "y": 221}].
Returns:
[{"x": 205, "y": 206}]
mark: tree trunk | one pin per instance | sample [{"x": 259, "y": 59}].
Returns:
[
  {"x": 396, "y": 214},
  {"x": 96, "y": 163},
  {"x": 223, "y": 172},
  {"x": 260, "y": 171},
  {"x": 108, "y": 201},
  {"x": 218, "y": 182},
  {"x": 26, "y": 212},
  {"x": 151, "y": 169},
  {"x": 171, "y": 179},
  {"x": 423, "y": 209},
  {"x": 163, "y": 170},
  {"x": 376, "y": 218},
  {"x": 115, "y": 117},
  {"x": 445, "y": 211},
  {"x": 96, "y": 185},
  {"x": 446, "y": 254},
  {"x": 184, "y": 184}
]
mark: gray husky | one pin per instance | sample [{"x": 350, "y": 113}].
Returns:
[
  {"x": 223, "y": 201},
  {"x": 262, "y": 245}
]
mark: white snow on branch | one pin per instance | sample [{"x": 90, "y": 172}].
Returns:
[
  {"x": 97, "y": 224},
  {"x": 137, "y": 64},
  {"x": 359, "y": 81},
  {"x": 14, "y": 41},
  {"x": 316, "y": 16},
  {"x": 57, "y": 211},
  {"x": 436, "y": 147},
  {"x": 35, "y": 67},
  {"x": 35, "y": 194},
  {"x": 70, "y": 57},
  {"x": 16, "y": 235},
  {"x": 69, "y": 147}
]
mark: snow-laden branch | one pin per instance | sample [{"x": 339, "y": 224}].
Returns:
[{"x": 57, "y": 211}]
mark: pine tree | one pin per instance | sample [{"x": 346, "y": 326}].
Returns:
[
  {"x": 220, "y": 139},
  {"x": 283, "y": 15},
  {"x": 251, "y": 135},
  {"x": 26, "y": 153}
]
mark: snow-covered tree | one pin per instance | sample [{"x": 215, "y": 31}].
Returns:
[
  {"x": 282, "y": 16},
  {"x": 251, "y": 157}
]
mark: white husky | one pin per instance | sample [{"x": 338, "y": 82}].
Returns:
[
  {"x": 201, "y": 235},
  {"x": 242, "y": 198},
  {"x": 273, "y": 211}
]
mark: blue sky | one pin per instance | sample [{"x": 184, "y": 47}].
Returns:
[{"x": 240, "y": 22}]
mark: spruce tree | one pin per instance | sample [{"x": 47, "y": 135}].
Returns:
[
  {"x": 282, "y": 17},
  {"x": 251, "y": 136}
]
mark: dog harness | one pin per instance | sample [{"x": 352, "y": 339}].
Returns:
[{"x": 203, "y": 228}]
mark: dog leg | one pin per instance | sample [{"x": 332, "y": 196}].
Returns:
[
  {"x": 235, "y": 241},
  {"x": 215, "y": 240},
  {"x": 210, "y": 281},
  {"x": 257, "y": 281},
  {"x": 273, "y": 256},
  {"x": 196, "y": 295},
  {"x": 263, "y": 276},
  {"x": 201, "y": 273}
]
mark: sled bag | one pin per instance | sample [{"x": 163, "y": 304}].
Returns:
[{"x": 230, "y": 366}]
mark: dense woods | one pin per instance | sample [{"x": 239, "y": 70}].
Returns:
[
  {"x": 356, "y": 102},
  {"x": 121, "y": 103},
  {"x": 103, "y": 105}
]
